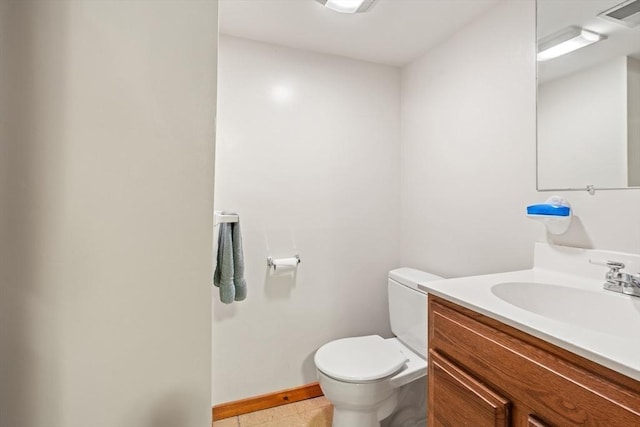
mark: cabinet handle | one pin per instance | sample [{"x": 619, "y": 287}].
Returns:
[{"x": 535, "y": 422}]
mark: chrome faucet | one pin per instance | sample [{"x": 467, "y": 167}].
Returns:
[{"x": 617, "y": 281}]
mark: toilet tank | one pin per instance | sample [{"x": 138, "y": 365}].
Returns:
[{"x": 408, "y": 307}]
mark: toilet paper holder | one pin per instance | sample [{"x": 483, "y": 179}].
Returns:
[{"x": 275, "y": 262}]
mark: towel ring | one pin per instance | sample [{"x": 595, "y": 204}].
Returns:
[{"x": 219, "y": 218}]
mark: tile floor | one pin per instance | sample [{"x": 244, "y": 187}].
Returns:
[{"x": 316, "y": 412}]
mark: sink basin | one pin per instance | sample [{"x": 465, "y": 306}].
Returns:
[{"x": 572, "y": 305}]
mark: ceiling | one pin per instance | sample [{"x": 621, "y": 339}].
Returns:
[{"x": 392, "y": 32}]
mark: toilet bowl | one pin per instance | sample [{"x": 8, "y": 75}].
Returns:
[{"x": 362, "y": 376}]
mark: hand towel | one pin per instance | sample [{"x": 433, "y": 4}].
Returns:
[
  {"x": 223, "y": 275},
  {"x": 238, "y": 263}
]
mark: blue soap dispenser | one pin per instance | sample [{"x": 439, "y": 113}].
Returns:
[{"x": 555, "y": 214}]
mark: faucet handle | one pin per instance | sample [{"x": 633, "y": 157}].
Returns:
[
  {"x": 614, "y": 278},
  {"x": 619, "y": 282},
  {"x": 614, "y": 266}
]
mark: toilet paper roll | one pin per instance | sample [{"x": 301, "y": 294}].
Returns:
[{"x": 285, "y": 263}]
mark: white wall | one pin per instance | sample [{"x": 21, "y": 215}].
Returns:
[
  {"x": 582, "y": 133},
  {"x": 633, "y": 123},
  {"x": 107, "y": 184},
  {"x": 307, "y": 180},
  {"x": 468, "y": 148},
  {"x": 308, "y": 155},
  {"x": 468, "y": 157}
]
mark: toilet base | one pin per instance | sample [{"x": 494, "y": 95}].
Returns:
[
  {"x": 359, "y": 404},
  {"x": 364, "y": 417},
  {"x": 350, "y": 418}
]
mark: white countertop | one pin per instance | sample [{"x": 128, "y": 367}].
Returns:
[{"x": 617, "y": 348}]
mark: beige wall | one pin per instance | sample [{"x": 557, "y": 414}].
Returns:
[{"x": 106, "y": 210}]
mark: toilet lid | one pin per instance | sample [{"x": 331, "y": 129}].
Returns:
[{"x": 359, "y": 359}]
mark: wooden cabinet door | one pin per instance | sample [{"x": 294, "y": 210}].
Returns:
[{"x": 456, "y": 399}]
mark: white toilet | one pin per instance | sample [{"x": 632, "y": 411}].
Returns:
[{"x": 362, "y": 376}]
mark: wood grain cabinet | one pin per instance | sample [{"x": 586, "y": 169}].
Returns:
[
  {"x": 467, "y": 401},
  {"x": 485, "y": 373}
]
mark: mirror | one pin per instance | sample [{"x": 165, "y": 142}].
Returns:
[{"x": 588, "y": 130}]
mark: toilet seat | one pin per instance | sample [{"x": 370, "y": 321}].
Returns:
[{"x": 359, "y": 359}]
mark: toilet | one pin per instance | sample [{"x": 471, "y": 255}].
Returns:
[{"x": 362, "y": 376}]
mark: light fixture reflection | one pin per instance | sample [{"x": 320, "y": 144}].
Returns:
[{"x": 565, "y": 41}]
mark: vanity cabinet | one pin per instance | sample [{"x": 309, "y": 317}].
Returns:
[{"x": 485, "y": 373}]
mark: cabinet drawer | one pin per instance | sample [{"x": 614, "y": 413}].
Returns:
[
  {"x": 457, "y": 399},
  {"x": 527, "y": 374}
]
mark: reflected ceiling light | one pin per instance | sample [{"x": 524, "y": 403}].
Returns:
[
  {"x": 565, "y": 41},
  {"x": 347, "y": 6}
]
